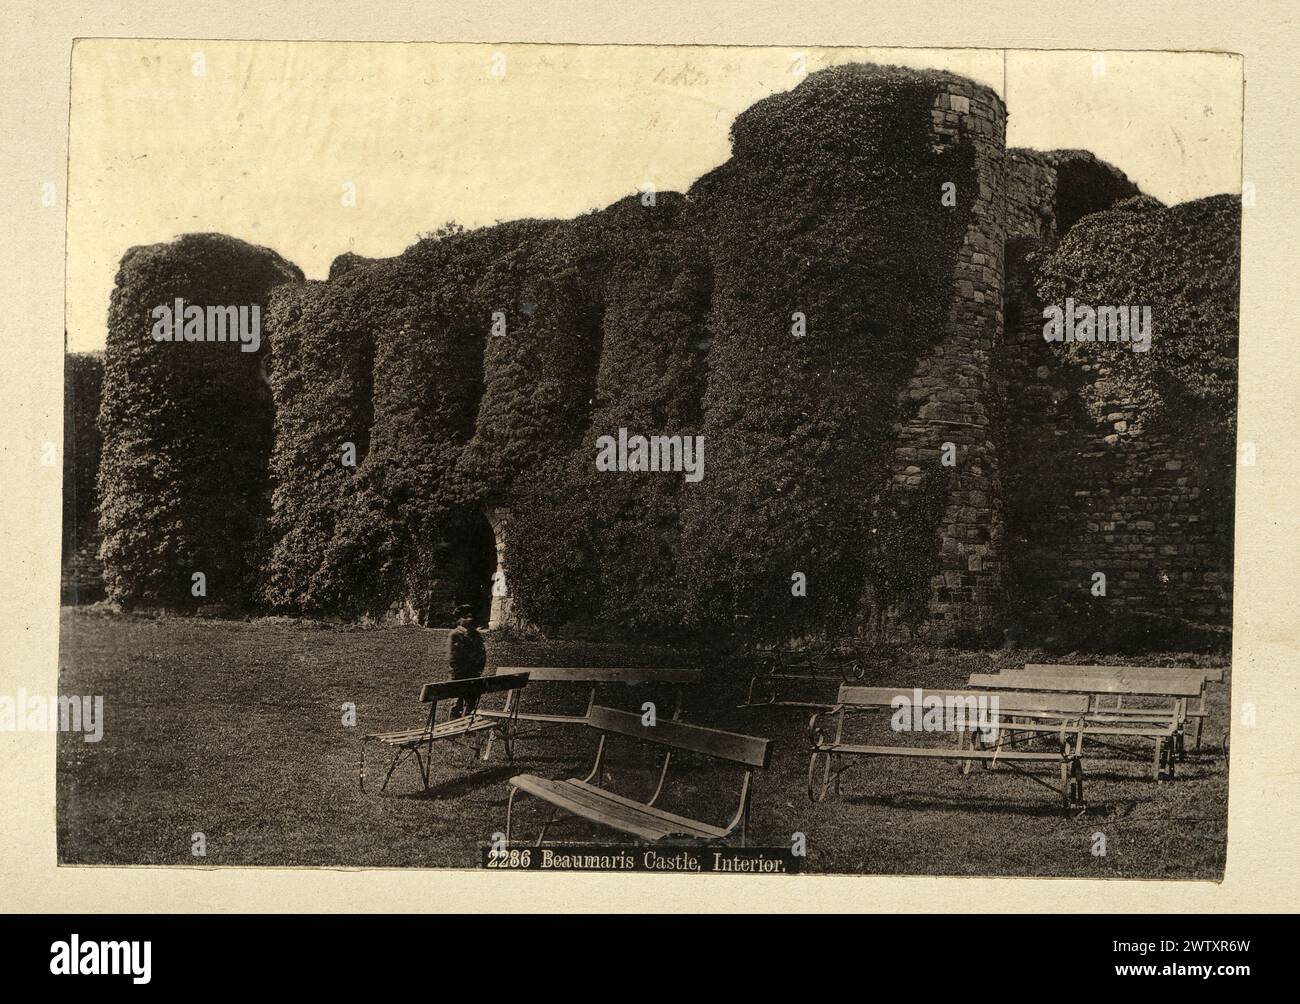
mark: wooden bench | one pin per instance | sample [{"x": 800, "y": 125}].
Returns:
[
  {"x": 1058, "y": 715},
  {"x": 778, "y": 666},
  {"x": 585, "y": 798},
  {"x": 593, "y": 678},
  {"x": 1163, "y": 726},
  {"x": 1195, "y": 707},
  {"x": 407, "y": 743}
]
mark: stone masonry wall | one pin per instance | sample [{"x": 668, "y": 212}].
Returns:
[
  {"x": 949, "y": 397},
  {"x": 1031, "y": 195},
  {"x": 1091, "y": 493}
]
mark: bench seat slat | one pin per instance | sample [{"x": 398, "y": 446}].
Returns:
[
  {"x": 677, "y": 823},
  {"x": 950, "y": 753},
  {"x": 600, "y": 806},
  {"x": 444, "y": 730},
  {"x": 1008, "y": 702},
  {"x": 1140, "y": 716},
  {"x": 1150, "y": 731}
]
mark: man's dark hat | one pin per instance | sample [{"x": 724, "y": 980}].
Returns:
[{"x": 462, "y": 610}]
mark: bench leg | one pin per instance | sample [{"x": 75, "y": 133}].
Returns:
[
  {"x": 510, "y": 808},
  {"x": 425, "y": 765},
  {"x": 506, "y": 732},
  {"x": 1165, "y": 757},
  {"x": 397, "y": 758},
  {"x": 1200, "y": 724},
  {"x": 505, "y": 727},
  {"x": 1074, "y": 790},
  {"x": 816, "y": 791},
  {"x": 997, "y": 745},
  {"x": 510, "y": 812},
  {"x": 546, "y": 825},
  {"x": 976, "y": 743}
]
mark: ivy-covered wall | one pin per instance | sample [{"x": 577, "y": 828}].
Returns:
[
  {"x": 605, "y": 547},
  {"x": 833, "y": 265},
  {"x": 187, "y": 429},
  {"x": 854, "y": 296},
  {"x": 330, "y": 542}
]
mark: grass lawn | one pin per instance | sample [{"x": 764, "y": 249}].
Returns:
[{"x": 234, "y": 729}]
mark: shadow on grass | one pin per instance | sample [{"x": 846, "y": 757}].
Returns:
[
  {"x": 463, "y": 785},
  {"x": 1047, "y": 809}
]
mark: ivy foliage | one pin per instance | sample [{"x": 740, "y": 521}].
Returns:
[
  {"x": 829, "y": 212},
  {"x": 1184, "y": 262},
  {"x": 604, "y": 546},
  {"x": 187, "y": 428}
]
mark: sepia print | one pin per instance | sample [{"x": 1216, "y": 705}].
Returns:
[{"x": 636, "y": 458}]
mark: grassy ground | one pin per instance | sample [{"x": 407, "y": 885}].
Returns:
[{"x": 234, "y": 729}]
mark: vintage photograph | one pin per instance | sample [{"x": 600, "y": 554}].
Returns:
[{"x": 741, "y": 459}]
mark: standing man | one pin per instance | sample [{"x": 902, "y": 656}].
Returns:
[{"x": 466, "y": 653}]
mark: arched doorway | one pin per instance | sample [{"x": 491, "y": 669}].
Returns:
[{"x": 466, "y": 560}]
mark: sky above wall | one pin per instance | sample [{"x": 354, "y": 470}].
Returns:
[{"x": 317, "y": 148}]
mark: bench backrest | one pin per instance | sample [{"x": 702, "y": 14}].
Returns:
[
  {"x": 1124, "y": 685},
  {"x": 584, "y": 674},
  {"x": 884, "y": 697},
  {"x": 1154, "y": 672},
  {"x": 475, "y": 686},
  {"x": 749, "y": 750}
]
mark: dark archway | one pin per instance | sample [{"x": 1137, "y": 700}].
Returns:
[{"x": 467, "y": 558}]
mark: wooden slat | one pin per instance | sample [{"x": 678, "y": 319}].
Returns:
[
  {"x": 444, "y": 730},
  {"x": 564, "y": 796},
  {"x": 585, "y": 674},
  {"x": 1138, "y": 687},
  {"x": 1134, "y": 729},
  {"x": 679, "y": 735},
  {"x": 1066, "y": 704},
  {"x": 1054, "y": 669},
  {"x": 475, "y": 686},
  {"x": 949, "y": 753},
  {"x": 600, "y": 806},
  {"x": 1160, "y": 716},
  {"x": 674, "y": 823},
  {"x": 534, "y": 716}
]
